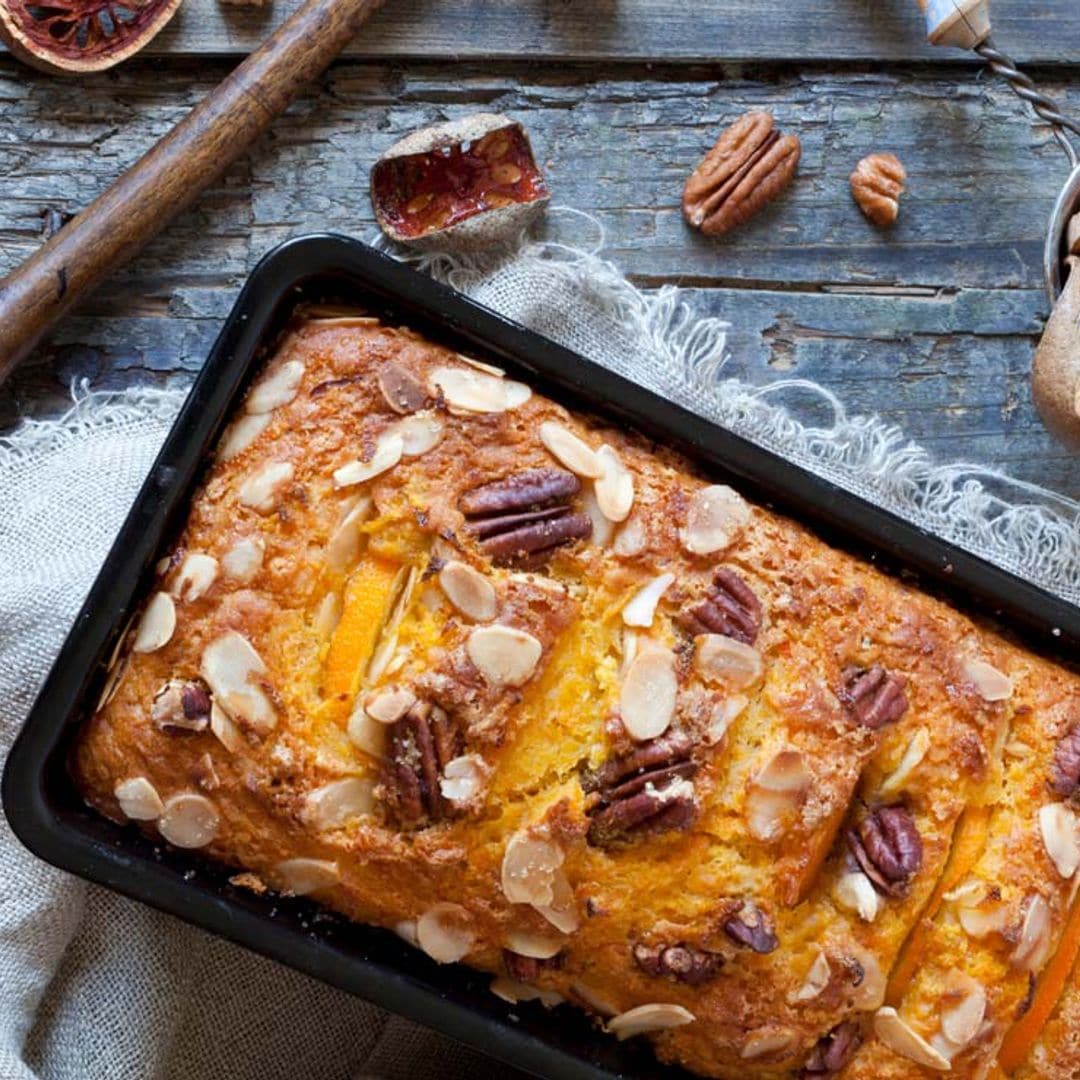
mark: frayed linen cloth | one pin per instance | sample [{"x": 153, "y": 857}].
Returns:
[{"x": 95, "y": 987}]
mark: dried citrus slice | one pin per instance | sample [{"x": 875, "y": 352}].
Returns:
[{"x": 78, "y": 36}]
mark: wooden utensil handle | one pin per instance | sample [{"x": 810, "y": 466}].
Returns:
[
  {"x": 172, "y": 174},
  {"x": 962, "y": 24}
]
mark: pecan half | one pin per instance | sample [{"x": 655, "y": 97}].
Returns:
[
  {"x": 645, "y": 791},
  {"x": 525, "y": 514},
  {"x": 874, "y": 696},
  {"x": 1065, "y": 770},
  {"x": 183, "y": 704},
  {"x": 680, "y": 963},
  {"x": 887, "y": 847},
  {"x": 729, "y": 607},
  {"x": 751, "y": 928},
  {"x": 526, "y": 969},
  {"x": 748, "y": 167},
  {"x": 834, "y": 1050},
  {"x": 420, "y": 745},
  {"x": 876, "y": 185}
]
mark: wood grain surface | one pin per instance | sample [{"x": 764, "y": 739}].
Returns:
[{"x": 932, "y": 324}]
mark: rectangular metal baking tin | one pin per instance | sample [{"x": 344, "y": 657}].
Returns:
[{"x": 46, "y": 813}]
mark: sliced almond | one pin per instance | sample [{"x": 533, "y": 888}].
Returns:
[
  {"x": 514, "y": 991},
  {"x": 463, "y": 779},
  {"x": 716, "y": 518},
  {"x": 477, "y": 391},
  {"x": 468, "y": 590},
  {"x": 366, "y": 733},
  {"x": 138, "y": 799},
  {"x": 260, "y": 489},
  {"x": 188, "y": 820},
  {"x": 481, "y": 365},
  {"x": 334, "y": 805},
  {"x": 631, "y": 538},
  {"x": 389, "y": 448},
  {"x": 228, "y": 734},
  {"x": 960, "y": 1022},
  {"x": 648, "y": 694},
  {"x": 718, "y": 658},
  {"x": 592, "y": 1000},
  {"x": 157, "y": 624},
  {"x": 570, "y": 450},
  {"x": 615, "y": 487},
  {"x": 236, "y": 674},
  {"x": 538, "y": 946},
  {"x": 299, "y": 877},
  {"x": 602, "y": 528},
  {"x": 347, "y": 541},
  {"x": 276, "y": 389},
  {"x": 402, "y": 590},
  {"x": 723, "y": 715},
  {"x": 443, "y": 932},
  {"x": 641, "y": 609},
  {"x": 400, "y": 389},
  {"x": 327, "y": 616},
  {"x": 893, "y": 1031},
  {"x": 774, "y": 1043},
  {"x": 911, "y": 760},
  {"x": 389, "y": 706},
  {"x": 656, "y": 1016},
  {"x": 197, "y": 573},
  {"x": 817, "y": 979},
  {"x": 855, "y": 892},
  {"x": 241, "y": 435},
  {"x": 776, "y": 794},
  {"x": 562, "y": 912},
  {"x": 989, "y": 683},
  {"x": 1058, "y": 827},
  {"x": 406, "y": 930},
  {"x": 243, "y": 560},
  {"x": 503, "y": 655},
  {"x": 529, "y": 869},
  {"x": 1033, "y": 948},
  {"x": 869, "y": 994},
  {"x": 980, "y": 920},
  {"x": 421, "y": 432}
]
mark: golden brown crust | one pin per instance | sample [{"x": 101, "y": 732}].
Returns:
[{"x": 732, "y": 878}]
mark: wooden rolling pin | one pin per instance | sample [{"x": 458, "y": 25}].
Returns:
[{"x": 172, "y": 175}]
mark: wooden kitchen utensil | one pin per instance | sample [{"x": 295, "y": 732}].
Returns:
[
  {"x": 172, "y": 174},
  {"x": 1055, "y": 371}
]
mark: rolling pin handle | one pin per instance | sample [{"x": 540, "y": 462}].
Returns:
[{"x": 959, "y": 24}]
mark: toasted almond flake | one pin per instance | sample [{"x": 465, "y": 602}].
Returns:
[
  {"x": 138, "y": 799},
  {"x": 870, "y": 993},
  {"x": 443, "y": 933},
  {"x": 205, "y": 774},
  {"x": 602, "y": 529},
  {"x": 775, "y": 795},
  {"x": 960, "y": 1022},
  {"x": 403, "y": 590},
  {"x": 503, "y": 655},
  {"x": 648, "y": 694},
  {"x": 641, "y": 609},
  {"x": 715, "y": 519},
  {"x": 389, "y": 706},
  {"x": 529, "y": 869},
  {"x": 389, "y": 448},
  {"x": 334, "y": 805},
  {"x": 980, "y": 920},
  {"x": 570, "y": 450},
  {"x": 406, "y": 930},
  {"x": 228, "y": 734},
  {"x": 299, "y": 877},
  {"x": 628, "y": 645},
  {"x": 463, "y": 778},
  {"x": 854, "y": 891},
  {"x": 277, "y": 388},
  {"x": 365, "y": 733},
  {"x": 477, "y": 391},
  {"x": 775, "y": 1043},
  {"x": 157, "y": 624},
  {"x": 347, "y": 541},
  {"x": 911, "y": 760},
  {"x": 197, "y": 573},
  {"x": 656, "y": 1016},
  {"x": 615, "y": 487},
  {"x": 786, "y": 771},
  {"x": 592, "y": 1000},
  {"x": 481, "y": 365},
  {"x": 241, "y": 435},
  {"x": 817, "y": 978},
  {"x": 514, "y": 991},
  {"x": 562, "y": 912},
  {"x": 468, "y": 590},
  {"x": 236, "y": 674},
  {"x": 718, "y": 658},
  {"x": 188, "y": 820},
  {"x": 538, "y": 946},
  {"x": 945, "y": 1048},
  {"x": 260, "y": 489},
  {"x": 327, "y": 616},
  {"x": 894, "y": 1032},
  {"x": 1033, "y": 948},
  {"x": 723, "y": 716},
  {"x": 1057, "y": 825},
  {"x": 420, "y": 432},
  {"x": 243, "y": 560},
  {"x": 631, "y": 538},
  {"x": 971, "y": 891},
  {"x": 989, "y": 683}
]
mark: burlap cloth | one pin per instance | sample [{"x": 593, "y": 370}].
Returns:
[{"x": 93, "y": 986}]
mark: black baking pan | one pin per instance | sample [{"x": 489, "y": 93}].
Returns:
[{"x": 49, "y": 817}]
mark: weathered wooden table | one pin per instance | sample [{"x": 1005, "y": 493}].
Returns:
[{"x": 931, "y": 324}]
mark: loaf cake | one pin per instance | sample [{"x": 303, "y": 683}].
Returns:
[{"x": 528, "y": 690}]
